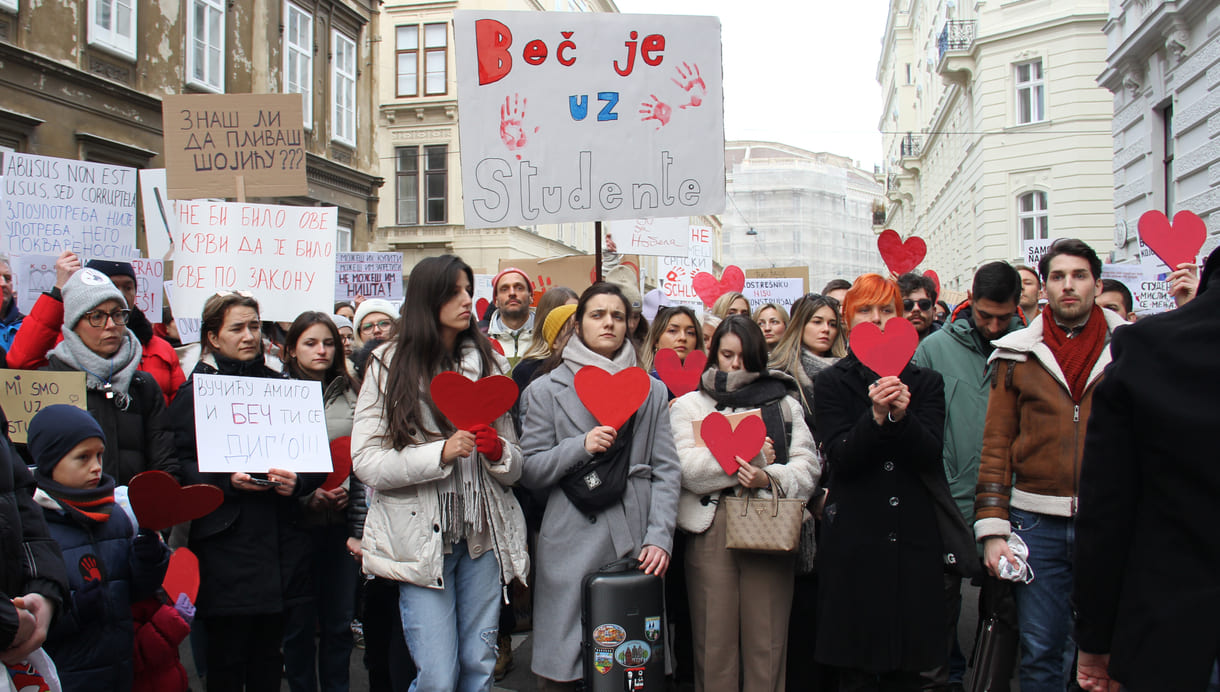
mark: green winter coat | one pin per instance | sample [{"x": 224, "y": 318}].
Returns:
[{"x": 959, "y": 354}]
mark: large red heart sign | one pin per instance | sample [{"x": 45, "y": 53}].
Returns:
[
  {"x": 729, "y": 444},
  {"x": 182, "y": 575},
  {"x": 480, "y": 308},
  {"x": 612, "y": 399},
  {"x": 341, "y": 462},
  {"x": 885, "y": 353},
  {"x": 935, "y": 279},
  {"x": 1174, "y": 244},
  {"x": 901, "y": 257},
  {"x": 468, "y": 403},
  {"x": 159, "y": 502},
  {"x": 708, "y": 288},
  {"x": 681, "y": 377}
]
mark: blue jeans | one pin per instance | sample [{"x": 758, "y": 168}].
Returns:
[
  {"x": 330, "y": 614},
  {"x": 1044, "y": 612},
  {"x": 452, "y": 631}
]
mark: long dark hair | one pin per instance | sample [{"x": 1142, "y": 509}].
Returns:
[
  {"x": 420, "y": 353},
  {"x": 338, "y": 363},
  {"x": 598, "y": 289},
  {"x": 753, "y": 344}
]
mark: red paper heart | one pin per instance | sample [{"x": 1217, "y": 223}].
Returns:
[
  {"x": 1177, "y": 243},
  {"x": 467, "y": 403},
  {"x": 159, "y": 502},
  {"x": 708, "y": 288},
  {"x": 935, "y": 280},
  {"x": 901, "y": 256},
  {"x": 885, "y": 353},
  {"x": 480, "y": 308},
  {"x": 497, "y": 347},
  {"x": 341, "y": 462},
  {"x": 728, "y": 444},
  {"x": 612, "y": 399},
  {"x": 681, "y": 378},
  {"x": 182, "y": 575}
]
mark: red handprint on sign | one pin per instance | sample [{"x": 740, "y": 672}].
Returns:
[
  {"x": 543, "y": 285},
  {"x": 512, "y": 123},
  {"x": 656, "y": 110},
  {"x": 691, "y": 81}
]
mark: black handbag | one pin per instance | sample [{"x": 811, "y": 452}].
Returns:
[
  {"x": 996, "y": 646},
  {"x": 596, "y": 484}
]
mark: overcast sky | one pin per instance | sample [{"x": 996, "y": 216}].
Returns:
[{"x": 800, "y": 72}]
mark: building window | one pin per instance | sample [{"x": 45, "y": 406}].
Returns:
[
  {"x": 343, "y": 90},
  {"x": 1167, "y": 171},
  {"x": 1032, "y": 216},
  {"x": 298, "y": 58},
  {"x": 10, "y": 5},
  {"x": 343, "y": 239},
  {"x": 432, "y": 188},
  {"x": 432, "y": 64},
  {"x": 1031, "y": 93},
  {"x": 205, "y": 37},
  {"x": 112, "y": 26}
]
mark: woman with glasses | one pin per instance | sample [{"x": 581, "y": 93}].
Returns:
[
  {"x": 126, "y": 401},
  {"x": 374, "y": 320}
]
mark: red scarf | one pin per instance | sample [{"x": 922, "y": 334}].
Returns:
[{"x": 1076, "y": 356}]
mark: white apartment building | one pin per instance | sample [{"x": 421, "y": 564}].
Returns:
[
  {"x": 994, "y": 128},
  {"x": 792, "y": 207},
  {"x": 1163, "y": 67}
]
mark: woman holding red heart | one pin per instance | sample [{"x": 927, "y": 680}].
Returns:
[
  {"x": 881, "y": 559},
  {"x": 441, "y": 521},
  {"x": 632, "y": 515},
  {"x": 676, "y": 328},
  {"x": 739, "y": 601}
]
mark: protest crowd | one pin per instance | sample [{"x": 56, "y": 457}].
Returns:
[{"x": 1035, "y": 440}]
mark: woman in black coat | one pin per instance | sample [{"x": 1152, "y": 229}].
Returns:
[
  {"x": 253, "y": 551},
  {"x": 880, "y": 604}
]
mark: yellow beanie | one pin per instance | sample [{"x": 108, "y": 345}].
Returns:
[{"x": 555, "y": 321}]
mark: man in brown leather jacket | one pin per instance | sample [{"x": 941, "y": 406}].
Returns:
[{"x": 1042, "y": 384}]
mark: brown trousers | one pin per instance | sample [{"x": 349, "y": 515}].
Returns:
[{"x": 740, "y": 603}]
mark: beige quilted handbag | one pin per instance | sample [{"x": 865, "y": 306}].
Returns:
[{"x": 763, "y": 526}]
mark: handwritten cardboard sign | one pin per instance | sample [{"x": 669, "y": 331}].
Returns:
[
  {"x": 801, "y": 272},
  {"x": 52, "y": 205},
  {"x": 1033, "y": 250},
  {"x": 32, "y": 275},
  {"x": 188, "y": 326},
  {"x": 284, "y": 256},
  {"x": 24, "y": 393},
  {"x": 154, "y": 201},
  {"x": 211, "y": 139},
  {"x": 656, "y": 237},
  {"x": 368, "y": 274},
  {"x": 1147, "y": 283},
  {"x": 570, "y": 116},
  {"x": 150, "y": 282},
  {"x": 783, "y": 292},
  {"x": 253, "y": 424},
  {"x": 677, "y": 273}
]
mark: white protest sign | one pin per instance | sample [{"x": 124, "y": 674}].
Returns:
[
  {"x": 254, "y": 424},
  {"x": 284, "y": 256},
  {"x": 1149, "y": 258},
  {"x": 368, "y": 274},
  {"x": 1033, "y": 250},
  {"x": 52, "y": 205},
  {"x": 482, "y": 290},
  {"x": 188, "y": 327},
  {"x": 1149, "y": 289},
  {"x": 570, "y": 116},
  {"x": 150, "y": 282},
  {"x": 659, "y": 237},
  {"x": 32, "y": 275},
  {"x": 676, "y": 273},
  {"x": 782, "y": 292},
  {"x": 154, "y": 201}
]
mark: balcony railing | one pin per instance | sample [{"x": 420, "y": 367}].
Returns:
[
  {"x": 958, "y": 34},
  {"x": 911, "y": 145}
]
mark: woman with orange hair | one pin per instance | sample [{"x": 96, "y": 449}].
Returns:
[{"x": 881, "y": 616}]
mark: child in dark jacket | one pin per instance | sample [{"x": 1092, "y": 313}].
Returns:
[{"x": 111, "y": 563}]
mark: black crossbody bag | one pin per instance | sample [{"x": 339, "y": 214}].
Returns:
[{"x": 596, "y": 484}]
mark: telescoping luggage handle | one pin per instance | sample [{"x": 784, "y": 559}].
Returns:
[{"x": 623, "y": 564}]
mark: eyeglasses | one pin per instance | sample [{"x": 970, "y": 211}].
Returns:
[
  {"x": 97, "y": 318},
  {"x": 923, "y": 303},
  {"x": 368, "y": 327}
]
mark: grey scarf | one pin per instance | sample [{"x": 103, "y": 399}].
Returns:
[
  {"x": 811, "y": 365},
  {"x": 576, "y": 356},
  {"x": 107, "y": 375}
]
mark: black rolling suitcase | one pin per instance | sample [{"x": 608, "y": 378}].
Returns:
[{"x": 622, "y": 618}]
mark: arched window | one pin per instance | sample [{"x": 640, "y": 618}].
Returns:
[{"x": 1032, "y": 216}]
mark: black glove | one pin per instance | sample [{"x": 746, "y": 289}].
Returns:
[{"x": 147, "y": 546}]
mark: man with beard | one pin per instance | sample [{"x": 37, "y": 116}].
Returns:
[
  {"x": 512, "y": 324},
  {"x": 919, "y": 303},
  {"x": 1042, "y": 383},
  {"x": 41, "y": 330},
  {"x": 959, "y": 353}
]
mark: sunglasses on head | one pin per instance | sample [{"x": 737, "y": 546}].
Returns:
[{"x": 923, "y": 303}]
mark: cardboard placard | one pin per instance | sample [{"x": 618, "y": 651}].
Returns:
[
  {"x": 32, "y": 275},
  {"x": 284, "y": 256},
  {"x": 801, "y": 272},
  {"x": 150, "y": 283},
  {"x": 52, "y": 205},
  {"x": 23, "y": 393},
  {"x": 734, "y": 419},
  {"x": 368, "y": 274},
  {"x": 1147, "y": 283},
  {"x": 1033, "y": 250},
  {"x": 254, "y": 424},
  {"x": 676, "y": 274},
  {"x": 211, "y": 139},
  {"x": 188, "y": 327},
  {"x": 655, "y": 237},
  {"x": 783, "y": 292},
  {"x": 570, "y": 116},
  {"x": 154, "y": 201}
]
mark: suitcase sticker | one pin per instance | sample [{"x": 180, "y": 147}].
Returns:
[
  {"x": 633, "y": 654},
  {"x": 609, "y": 635},
  {"x": 652, "y": 628},
  {"x": 603, "y": 661}
]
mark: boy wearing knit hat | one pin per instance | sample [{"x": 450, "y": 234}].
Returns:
[{"x": 110, "y": 562}]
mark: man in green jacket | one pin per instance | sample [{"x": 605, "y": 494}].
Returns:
[{"x": 959, "y": 353}]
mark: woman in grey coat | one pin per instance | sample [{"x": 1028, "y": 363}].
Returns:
[{"x": 559, "y": 434}]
